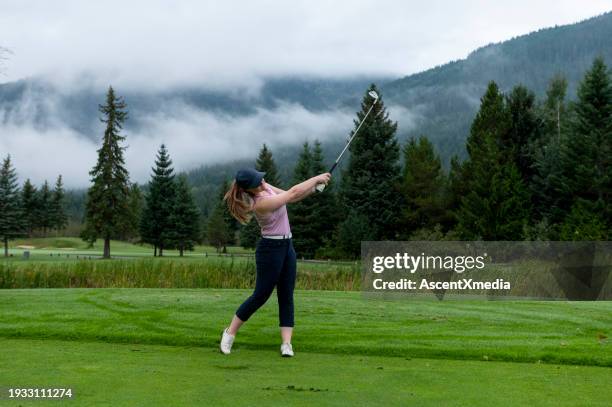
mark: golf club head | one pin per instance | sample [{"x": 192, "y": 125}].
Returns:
[{"x": 373, "y": 95}]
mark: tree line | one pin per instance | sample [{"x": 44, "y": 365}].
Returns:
[
  {"x": 535, "y": 170},
  {"x": 29, "y": 211},
  {"x": 166, "y": 217}
]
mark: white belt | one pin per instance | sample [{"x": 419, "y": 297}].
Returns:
[{"x": 277, "y": 236}]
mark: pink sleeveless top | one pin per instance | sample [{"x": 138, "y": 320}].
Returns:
[{"x": 275, "y": 222}]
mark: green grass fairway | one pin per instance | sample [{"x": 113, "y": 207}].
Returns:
[
  {"x": 153, "y": 375},
  {"x": 159, "y": 347}
]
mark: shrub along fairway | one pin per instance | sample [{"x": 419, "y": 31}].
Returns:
[
  {"x": 67, "y": 263},
  {"x": 159, "y": 347},
  {"x": 172, "y": 272}
]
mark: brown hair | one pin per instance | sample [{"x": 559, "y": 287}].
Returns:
[{"x": 239, "y": 202}]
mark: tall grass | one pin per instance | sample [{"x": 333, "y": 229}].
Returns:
[{"x": 166, "y": 273}]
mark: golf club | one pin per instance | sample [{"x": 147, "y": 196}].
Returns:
[{"x": 373, "y": 95}]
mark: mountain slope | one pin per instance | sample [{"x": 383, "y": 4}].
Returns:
[{"x": 446, "y": 97}]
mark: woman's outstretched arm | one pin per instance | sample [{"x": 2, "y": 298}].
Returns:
[{"x": 294, "y": 194}]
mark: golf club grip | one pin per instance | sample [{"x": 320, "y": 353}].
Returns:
[{"x": 321, "y": 187}]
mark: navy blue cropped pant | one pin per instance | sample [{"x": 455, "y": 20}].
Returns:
[{"x": 276, "y": 266}]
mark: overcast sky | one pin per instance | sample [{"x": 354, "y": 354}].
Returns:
[
  {"x": 231, "y": 45},
  {"x": 159, "y": 43}
]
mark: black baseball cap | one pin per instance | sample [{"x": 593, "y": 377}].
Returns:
[{"x": 248, "y": 178}]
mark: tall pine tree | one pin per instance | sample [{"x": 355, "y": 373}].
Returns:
[
  {"x": 155, "y": 223},
  {"x": 265, "y": 162},
  {"x": 11, "y": 216},
  {"x": 301, "y": 213},
  {"x": 45, "y": 208},
  {"x": 185, "y": 218},
  {"x": 29, "y": 195},
  {"x": 456, "y": 188},
  {"x": 371, "y": 181},
  {"x": 325, "y": 209},
  {"x": 107, "y": 198},
  {"x": 524, "y": 132},
  {"x": 549, "y": 193},
  {"x": 496, "y": 206},
  {"x": 587, "y": 152},
  {"x": 59, "y": 219},
  {"x": 422, "y": 185}
]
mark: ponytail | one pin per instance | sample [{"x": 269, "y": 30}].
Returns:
[{"x": 239, "y": 203}]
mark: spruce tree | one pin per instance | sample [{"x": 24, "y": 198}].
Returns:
[
  {"x": 496, "y": 205},
  {"x": 552, "y": 196},
  {"x": 548, "y": 192},
  {"x": 11, "y": 214},
  {"x": 455, "y": 189},
  {"x": 313, "y": 220},
  {"x": 29, "y": 195},
  {"x": 265, "y": 162},
  {"x": 59, "y": 219},
  {"x": 155, "y": 224},
  {"x": 422, "y": 187},
  {"x": 185, "y": 218},
  {"x": 524, "y": 132},
  {"x": 371, "y": 181},
  {"x": 301, "y": 213},
  {"x": 45, "y": 208},
  {"x": 587, "y": 152},
  {"x": 107, "y": 199},
  {"x": 326, "y": 213}
]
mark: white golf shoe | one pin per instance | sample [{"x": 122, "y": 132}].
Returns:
[
  {"x": 226, "y": 342},
  {"x": 286, "y": 350}
]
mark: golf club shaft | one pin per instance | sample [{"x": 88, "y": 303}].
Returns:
[
  {"x": 321, "y": 187},
  {"x": 351, "y": 139}
]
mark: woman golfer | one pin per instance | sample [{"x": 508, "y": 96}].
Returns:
[{"x": 274, "y": 256}]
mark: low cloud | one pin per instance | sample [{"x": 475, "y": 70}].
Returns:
[
  {"x": 36, "y": 133},
  {"x": 194, "y": 138},
  {"x": 43, "y": 154}
]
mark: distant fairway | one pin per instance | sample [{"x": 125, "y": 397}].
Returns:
[
  {"x": 42, "y": 247},
  {"x": 348, "y": 349}
]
